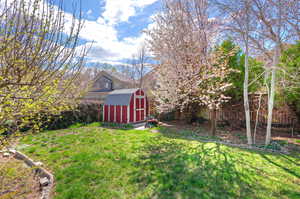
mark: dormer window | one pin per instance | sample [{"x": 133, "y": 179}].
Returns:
[{"x": 106, "y": 85}]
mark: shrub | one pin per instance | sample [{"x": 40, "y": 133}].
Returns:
[
  {"x": 84, "y": 114},
  {"x": 117, "y": 125}
]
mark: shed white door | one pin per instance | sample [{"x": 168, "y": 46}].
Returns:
[{"x": 140, "y": 107}]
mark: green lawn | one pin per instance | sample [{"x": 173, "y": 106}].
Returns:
[{"x": 93, "y": 162}]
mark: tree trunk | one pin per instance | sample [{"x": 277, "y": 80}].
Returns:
[
  {"x": 141, "y": 77},
  {"x": 257, "y": 118},
  {"x": 190, "y": 113},
  {"x": 270, "y": 107},
  {"x": 274, "y": 67},
  {"x": 213, "y": 122},
  {"x": 246, "y": 80},
  {"x": 246, "y": 97},
  {"x": 272, "y": 95}
]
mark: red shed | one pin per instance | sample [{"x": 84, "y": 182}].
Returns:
[{"x": 126, "y": 106}]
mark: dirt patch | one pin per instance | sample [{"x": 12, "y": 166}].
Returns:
[
  {"x": 236, "y": 136},
  {"x": 17, "y": 180},
  {"x": 67, "y": 133}
]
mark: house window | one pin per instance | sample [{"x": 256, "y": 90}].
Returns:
[{"x": 106, "y": 85}]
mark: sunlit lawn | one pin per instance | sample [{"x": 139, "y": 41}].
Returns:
[{"x": 92, "y": 162}]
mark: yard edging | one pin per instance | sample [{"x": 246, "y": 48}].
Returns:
[{"x": 42, "y": 173}]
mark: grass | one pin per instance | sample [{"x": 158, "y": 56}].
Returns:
[
  {"x": 103, "y": 124},
  {"x": 99, "y": 163}
]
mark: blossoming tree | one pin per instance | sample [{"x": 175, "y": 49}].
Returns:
[
  {"x": 191, "y": 72},
  {"x": 39, "y": 64}
]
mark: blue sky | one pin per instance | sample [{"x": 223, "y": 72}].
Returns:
[{"x": 114, "y": 26}]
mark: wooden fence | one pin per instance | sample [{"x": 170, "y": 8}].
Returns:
[
  {"x": 282, "y": 117},
  {"x": 280, "y": 120}
]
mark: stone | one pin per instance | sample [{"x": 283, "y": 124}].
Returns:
[
  {"x": 6, "y": 155},
  {"x": 154, "y": 131},
  {"x": 22, "y": 146},
  {"x": 12, "y": 151},
  {"x": 38, "y": 164},
  {"x": 284, "y": 150},
  {"x": 25, "y": 165},
  {"x": 44, "y": 181}
]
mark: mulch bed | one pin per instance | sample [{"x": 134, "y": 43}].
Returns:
[{"x": 17, "y": 180}]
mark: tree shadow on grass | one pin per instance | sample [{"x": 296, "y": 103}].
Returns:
[
  {"x": 281, "y": 166},
  {"x": 189, "y": 135},
  {"x": 168, "y": 170},
  {"x": 291, "y": 161},
  {"x": 173, "y": 168}
]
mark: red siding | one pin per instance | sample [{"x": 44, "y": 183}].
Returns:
[
  {"x": 106, "y": 113},
  {"x": 147, "y": 107},
  {"x": 142, "y": 103},
  {"x": 118, "y": 114},
  {"x": 131, "y": 109},
  {"x": 112, "y": 113},
  {"x": 124, "y": 114},
  {"x": 142, "y": 115}
]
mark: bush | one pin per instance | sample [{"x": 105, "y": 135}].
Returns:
[
  {"x": 167, "y": 116},
  {"x": 290, "y": 81},
  {"x": 84, "y": 114}
]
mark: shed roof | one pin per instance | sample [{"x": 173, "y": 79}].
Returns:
[{"x": 120, "y": 97}]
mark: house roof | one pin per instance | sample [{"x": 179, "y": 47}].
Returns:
[
  {"x": 120, "y": 76},
  {"x": 118, "y": 81},
  {"x": 114, "y": 74},
  {"x": 120, "y": 97}
]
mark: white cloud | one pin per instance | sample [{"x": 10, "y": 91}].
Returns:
[
  {"x": 107, "y": 47},
  {"x": 96, "y": 61},
  {"x": 112, "y": 50},
  {"x": 116, "y": 11},
  {"x": 89, "y": 12}
]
